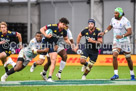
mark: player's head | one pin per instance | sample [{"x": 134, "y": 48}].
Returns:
[
  {"x": 38, "y": 36},
  {"x": 63, "y": 23},
  {"x": 91, "y": 23},
  {"x": 3, "y": 27},
  {"x": 118, "y": 13}
]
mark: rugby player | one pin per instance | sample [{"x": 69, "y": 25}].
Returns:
[
  {"x": 121, "y": 31},
  {"x": 91, "y": 46}
]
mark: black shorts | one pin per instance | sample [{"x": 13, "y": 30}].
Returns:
[
  {"x": 50, "y": 45},
  {"x": 8, "y": 52},
  {"x": 91, "y": 54},
  {"x": 25, "y": 62}
]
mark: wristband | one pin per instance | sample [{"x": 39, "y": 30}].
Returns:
[
  {"x": 35, "y": 51},
  {"x": 20, "y": 43},
  {"x": 106, "y": 31},
  {"x": 123, "y": 35}
]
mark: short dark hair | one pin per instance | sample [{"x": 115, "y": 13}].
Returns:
[
  {"x": 38, "y": 33},
  {"x": 64, "y": 20}
]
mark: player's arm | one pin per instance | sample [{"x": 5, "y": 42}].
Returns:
[
  {"x": 106, "y": 31},
  {"x": 43, "y": 29},
  {"x": 79, "y": 38},
  {"x": 2, "y": 42},
  {"x": 128, "y": 33},
  {"x": 69, "y": 34},
  {"x": 35, "y": 51},
  {"x": 67, "y": 40},
  {"x": 128, "y": 29},
  {"x": 20, "y": 40},
  {"x": 98, "y": 41},
  {"x": 78, "y": 41}
]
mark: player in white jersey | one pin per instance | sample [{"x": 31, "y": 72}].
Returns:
[
  {"x": 121, "y": 32},
  {"x": 62, "y": 53},
  {"x": 26, "y": 55}
]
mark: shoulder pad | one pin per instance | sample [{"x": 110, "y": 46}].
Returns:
[
  {"x": 54, "y": 24},
  {"x": 86, "y": 27},
  {"x": 9, "y": 31},
  {"x": 98, "y": 29}
]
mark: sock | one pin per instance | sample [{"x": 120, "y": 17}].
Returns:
[
  {"x": 131, "y": 72},
  {"x": 34, "y": 64},
  {"x": 86, "y": 64},
  {"x": 44, "y": 72},
  {"x": 6, "y": 69},
  {"x": 116, "y": 72},
  {"x": 49, "y": 77},
  {"x": 11, "y": 71},
  {"x": 84, "y": 74},
  {"x": 62, "y": 65},
  {"x": 11, "y": 62}
]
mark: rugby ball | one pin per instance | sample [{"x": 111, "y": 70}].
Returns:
[
  {"x": 79, "y": 51},
  {"x": 49, "y": 31}
]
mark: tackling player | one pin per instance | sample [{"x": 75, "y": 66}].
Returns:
[
  {"x": 61, "y": 52},
  {"x": 26, "y": 55}
]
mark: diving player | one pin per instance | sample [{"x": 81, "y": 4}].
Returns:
[{"x": 26, "y": 55}]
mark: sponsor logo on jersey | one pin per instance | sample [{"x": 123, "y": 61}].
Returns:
[
  {"x": 55, "y": 31},
  {"x": 86, "y": 33}
]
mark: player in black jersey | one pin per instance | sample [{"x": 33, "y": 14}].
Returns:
[
  {"x": 51, "y": 40},
  {"x": 91, "y": 46},
  {"x": 5, "y": 40}
]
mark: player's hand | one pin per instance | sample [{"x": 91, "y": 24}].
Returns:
[
  {"x": 76, "y": 48},
  {"x": 101, "y": 34},
  {"x": 90, "y": 40},
  {"x": 48, "y": 36},
  {"x": 20, "y": 46},
  {"x": 3, "y": 42},
  {"x": 119, "y": 36}
]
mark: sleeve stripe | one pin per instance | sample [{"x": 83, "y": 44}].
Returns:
[
  {"x": 46, "y": 27},
  {"x": 16, "y": 34}
]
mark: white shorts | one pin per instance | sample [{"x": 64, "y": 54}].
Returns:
[
  {"x": 61, "y": 47},
  {"x": 21, "y": 55},
  {"x": 124, "y": 46},
  {"x": 42, "y": 56}
]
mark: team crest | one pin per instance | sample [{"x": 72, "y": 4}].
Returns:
[
  {"x": 55, "y": 31},
  {"x": 61, "y": 32},
  {"x": 94, "y": 34},
  {"x": 1, "y": 35}
]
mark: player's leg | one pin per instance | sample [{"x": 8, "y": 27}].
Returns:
[
  {"x": 9, "y": 61},
  {"x": 39, "y": 62},
  {"x": 83, "y": 61},
  {"x": 53, "y": 57},
  {"x": 46, "y": 66},
  {"x": 63, "y": 55},
  {"x": 84, "y": 56},
  {"x": 19, "y": 66},
  {"x": 93, "y": 57},
  {"x": 130, "y": 65},
  {"x": 127, "y": 52},
  {"x": 116, "y": 52},
  {"x": 3, "y": 57}
]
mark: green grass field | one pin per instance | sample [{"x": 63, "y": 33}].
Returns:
[{"x": 70, "y": 73}]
